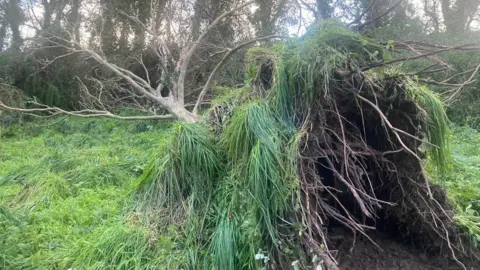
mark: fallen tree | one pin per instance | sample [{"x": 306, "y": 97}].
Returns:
[
  {"x": 140, "y": 91},
  {"x": 313, "y": 143}
]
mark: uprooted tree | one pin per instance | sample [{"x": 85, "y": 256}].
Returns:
[
  {"x": 323, "y": 135},
  {"x": 320, "y": 138}
]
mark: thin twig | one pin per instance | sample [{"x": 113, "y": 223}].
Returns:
[
  {"x": 380, "y": 16},
  {"x": 469, "y": 81},
  {"x": 374, "y": 65},
  {"x": 359, "y": 18}
]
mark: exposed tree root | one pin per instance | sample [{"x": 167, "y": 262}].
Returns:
[{"x": 361, "y": 163}]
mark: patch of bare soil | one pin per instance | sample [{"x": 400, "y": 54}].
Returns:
[{"x": 386, "y": 254}]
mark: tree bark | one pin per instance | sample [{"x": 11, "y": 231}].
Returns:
[
  {"x": 3, "y": 32},
  {"x": 324, "y": 9},
  {"x": 47, "y": 13},
  {"x": 14, "y": 15},
  {"x": 74, "y": 19},
  {"x": 197, "y": 18}
]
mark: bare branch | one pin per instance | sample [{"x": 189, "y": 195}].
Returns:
[
  {"x": 361, "y": 26},
  {"x": 468, "y": 81},
  {"x": 425, "y": 45},
  {"x": 416, "y": 51},
  {"x": 120, "y": 72},
  {"x": 140, "y": 61},
  {"x": 359, "y": 18},
  {"x": 418, "y": 56},
  {"x": 443, "y": 83},
  {"x": 137, "y": 83},
  {"x": 457, "y": 75},
  {"x": 221, "y": 63},
  {"x": 426, "y": 70},
  {"x": 83, "y": 113},
  {"x": 180, "y": 91},
  {"x": 137, "y": 21}
]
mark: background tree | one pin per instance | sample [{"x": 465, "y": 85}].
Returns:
[
  {"x": 150, "y": 40},
  {"x": 459, "y": 15}
]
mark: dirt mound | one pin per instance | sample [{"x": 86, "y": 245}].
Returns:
[{"x": 383, "y": 253}]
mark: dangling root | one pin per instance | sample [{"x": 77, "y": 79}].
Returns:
[{"x": 348, "y": 163}]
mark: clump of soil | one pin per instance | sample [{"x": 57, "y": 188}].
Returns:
[{"x": 382, "y": 252}]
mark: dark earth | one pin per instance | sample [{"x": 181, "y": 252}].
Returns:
[{"x": 393, "y": 255}]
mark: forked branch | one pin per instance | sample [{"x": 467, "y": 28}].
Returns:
[
  {"x": 186, "y": 60},
  {"x": 220, "y": 64}
]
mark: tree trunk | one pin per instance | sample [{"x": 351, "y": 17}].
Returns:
[
  {"x": 74, "y": 19},
  {"x": 123, "y": 40},
  {"x": 47, "y": 13},
  {"x": 3, "y": 32},
  {"x": 59, "y": 14},
  {"x": 197, "y": 18},
  {"x": 142, "y": 11},
  {"x": 14, "y": 15},
  {"x": 324, "y": 9},
  {"x": 108, "y": 35},
  {"x": 182, "y": 114},
  {"x": 160, "y": 8},
  {"x": 431, "y": 11}
]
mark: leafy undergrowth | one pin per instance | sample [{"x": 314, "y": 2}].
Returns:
[{"x": 65, "y": 196}]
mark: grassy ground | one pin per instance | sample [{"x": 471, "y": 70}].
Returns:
[
  {"x": 66, "y": 195},
  {"x": 463, "y": 181}
]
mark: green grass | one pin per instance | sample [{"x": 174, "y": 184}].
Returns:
[
  {"x": 66, "y": 197},
  {"x": 462, "y": 181},
  {"x": 66, "y": 193}
]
